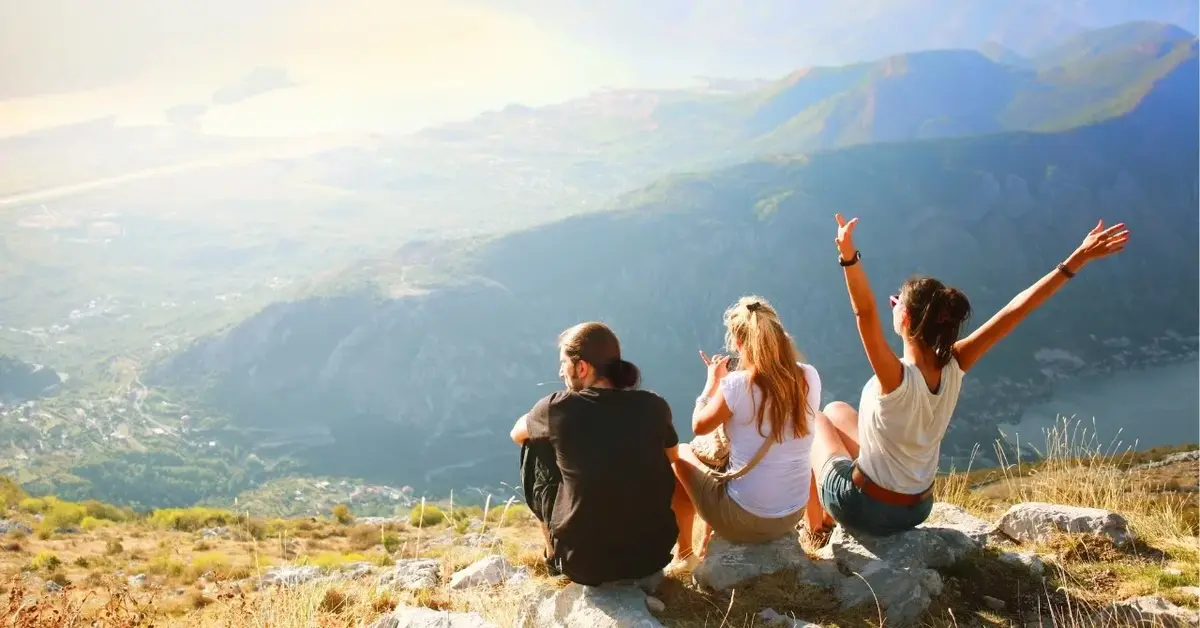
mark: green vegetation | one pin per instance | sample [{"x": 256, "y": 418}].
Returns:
[{"x": 426, "y": 515}]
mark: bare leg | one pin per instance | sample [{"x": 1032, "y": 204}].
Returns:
[
  {"x": 685, "y": 517},
  {"x": 835, "y": 433},
  {"x": 546, "y": 535}
]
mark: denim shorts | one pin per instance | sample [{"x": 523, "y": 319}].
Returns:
[{"x": 860, "y": 512}]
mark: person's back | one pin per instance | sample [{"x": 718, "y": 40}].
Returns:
[
  {"x": 596, "y": 468},
  {"x": 900, "y": 433},
  {"x": 777, "y": 485},
  {"x": 612, "y": 517}
]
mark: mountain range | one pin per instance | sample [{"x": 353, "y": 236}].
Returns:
[
  {"x": 434, "y": 351},
  {"x": 384, "y": 310}
]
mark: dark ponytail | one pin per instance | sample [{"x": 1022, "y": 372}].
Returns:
[
  {"x": 597, "y": 345},
  {"x": 936, "y": 315},
  {"x": 622, "y": 374}
]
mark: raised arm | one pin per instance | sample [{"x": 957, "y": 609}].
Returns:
[
  {"x": 883, "y": 361},
  {"x": 711, "y": 410},
  {"x": 1100, "y": 242}
]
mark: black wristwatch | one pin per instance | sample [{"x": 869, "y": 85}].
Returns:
[{"x": 852, "y": 261}]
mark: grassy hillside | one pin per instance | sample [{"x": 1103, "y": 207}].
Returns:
[{"x": 198, "y": 567}]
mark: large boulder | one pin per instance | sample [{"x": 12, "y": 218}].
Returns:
[
  {"x": 578, "y": 606},
  {"x": 406, "y": 617},
  {"x": 897, "y": 572},
  {"x": 727, "y": 565},
  {"x": 956, "y": 518},
  {"x": 1038, "y": 521},
  {"x": 290, "y": 576}
]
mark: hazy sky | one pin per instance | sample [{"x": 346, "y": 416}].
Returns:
[{"x": 393, "y": 65}]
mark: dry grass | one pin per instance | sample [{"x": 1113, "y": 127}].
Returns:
[{"x": 208, "y": 583}]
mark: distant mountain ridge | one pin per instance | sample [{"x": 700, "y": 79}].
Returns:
[{"x": 397, "y": 382}]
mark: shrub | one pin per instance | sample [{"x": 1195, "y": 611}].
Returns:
[
  {"x": 166, "y": 566},
  {"x": 391, "y": 542},
  {"x": 426, "y": 515},
  {"x": 328, "y": 560},
  {"x": 45, "y": 560},
  {"x": 107, "y": 512},
  {"x": 341, "y": 513},
  {"x": 193, "y": 519},
  {"x": 90, "y": 524},
  {"x": 112, "y": 547},
  {"x": 364, "y": 537},
  {"x": 81, "y": 561},
  {"x": 513, "y": 515},
  {"x": 216, "y": 562},
  {"x": 334, "y": 601},
  {"x": 11, "y": 493}
]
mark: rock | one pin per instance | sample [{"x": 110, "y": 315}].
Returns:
[
  {"x": 897, "y": 572},
  {"x": 354, "y": 571},
  {"x": 1029, "y": 560},
  {"x": 382, "y": 521},
  {"x": 1172, "y": 571},
  {"x": 428, "y": 618},
  {"x": 994, "y": 603},
  {"x": 577, "y": 606},
  {"x": 490, "y": 570},
  {"x": 1189, "y": 591},
  {"x": 53, "y": 587},
  {"x": 288, "y": 577},
  {"x": 138, "y": 580},
  {"x": 1183, "y": 456},
  {"x": 519, "y": 577},
  {"x": 1037, "y": 521},
  {"x": 775, "y": 620},
  {"x": 728, "y": 564},
  {"x": 955, "y": 518},
  {"x": 7, "y": 526},
  {"x": 215, "y": 533},
  {"x": 413, "y": 574},
  {"x": 1150, "y": 610},
  {"x": 655, "y": 605},
  {"x": 474, "y": 539}
]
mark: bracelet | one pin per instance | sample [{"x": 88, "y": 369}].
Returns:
[
  {"x": 1062, "y": 268},
  {"x": 702, "y": 401}
]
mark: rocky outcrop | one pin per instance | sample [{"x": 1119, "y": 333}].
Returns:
[
  {"x": 729, "y": 564},
  {"x": 14, "y": 526},
  {"x": 1038, "y": 521},
  {"x": 1183, "y": 456},
  {"x": 957, "y": 518},
  {"x": 429, "y": 618},
  {"x": 1149, "y": 610},
  {"x": 577, "y": 606},
  {"x": 290, "y": 576},
  {"x": 412, "y": 574}
]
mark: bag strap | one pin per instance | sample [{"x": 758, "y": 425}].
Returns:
[{"x": 723, "y": 476}]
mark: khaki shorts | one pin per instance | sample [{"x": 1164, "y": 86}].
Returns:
[{"x": 729, "y": 520}]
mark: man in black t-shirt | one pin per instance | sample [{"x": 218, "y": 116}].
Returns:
[{"x": 596, "y": 466}]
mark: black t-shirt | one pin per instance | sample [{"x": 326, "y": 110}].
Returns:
[{"x": 612, "y": 517}]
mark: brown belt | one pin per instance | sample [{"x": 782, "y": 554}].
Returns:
[{"x": 877, "y": 492}]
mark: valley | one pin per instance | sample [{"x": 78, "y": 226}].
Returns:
[{"x": 360, "y": 319}]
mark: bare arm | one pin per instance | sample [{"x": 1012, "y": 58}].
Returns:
[
  {"x": 884, "y": 362},
  {"x": 1099, "y": 243},
  {"x": 711, "y": 410},
  {"x": 520, "y": 430},
  {"x": 710, "y": 415}
]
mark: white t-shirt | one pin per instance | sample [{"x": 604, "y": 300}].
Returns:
[
  {"x": 778, "y": 485},
  {"x": 900, "y": 433}
]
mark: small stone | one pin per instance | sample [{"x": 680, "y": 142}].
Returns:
[
  {"x": 954, "y": 517},
  {"x": 654, "y": 604},
  {"x": 53, "y": 587},
  {"x": 1152, "y": 610},
  {"x": 994, "y": 603},
  {"x": 775, "y": 620},
  {"x": 414, "y": 617},
  {"x": 1029, "y": 560},
  {"x": 1172, "y": 571},
  {"x": 138, "y": 580},
  {"x": 412, "y": 574},
  {"x": 1192, "y": 591}
]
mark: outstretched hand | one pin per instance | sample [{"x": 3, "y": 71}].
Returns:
[
  {"x": 1102, "y": 242},
  {"x": 845, "y": 236}
]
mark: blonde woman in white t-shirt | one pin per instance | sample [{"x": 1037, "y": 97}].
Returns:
[
  {"x": 873, "y": 470},
  {"x": 772, "y": 395}
]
